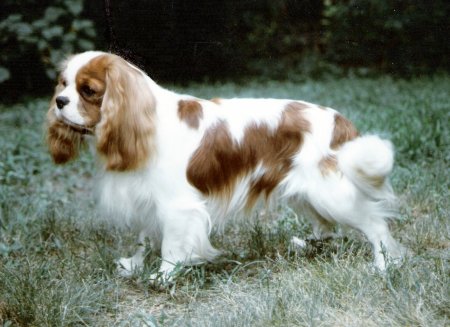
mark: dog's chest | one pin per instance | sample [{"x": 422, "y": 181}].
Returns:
[{"x": 125, "y": 195}]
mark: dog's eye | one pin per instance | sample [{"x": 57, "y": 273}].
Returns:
[
  {"x": 87, "y": 91},
  {"x": 63, "y": 82}
]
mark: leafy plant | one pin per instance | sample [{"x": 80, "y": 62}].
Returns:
[
  {"x": 52, "y": 32},
  {"x": 397, "y": 36}
]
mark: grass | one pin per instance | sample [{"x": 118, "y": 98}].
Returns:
[{"x": 57, "y": 262}]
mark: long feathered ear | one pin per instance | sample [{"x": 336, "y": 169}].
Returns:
[
  {"x": 125, "y": 132},
  {"x": 63, "y": 142}
]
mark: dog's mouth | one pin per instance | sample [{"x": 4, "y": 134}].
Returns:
[{"x": 78, "y": 128}]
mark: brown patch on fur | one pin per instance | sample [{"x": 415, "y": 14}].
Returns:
[
  {"x": 300, "y": 105},
  {"x": 328, "y": 165},
  {"x": 220, "y": 162},
  {"x": 63, "y": 142},
  {"x": 91, "y": 87},
  {"x": 190, "y": 111},
  {"x": 344, "y": 131},
  {"x": 374, "y": 181},
  {"x": 216, "y": 100},
  {"x": 125, "y": 132}
]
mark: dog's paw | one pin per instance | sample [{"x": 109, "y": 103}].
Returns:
[
  {"x": 298, "y": 243},
  {"x": 167, "y": 276},
  {"x": 161, "y": 280},
  {"x": 126, "y": 267}
]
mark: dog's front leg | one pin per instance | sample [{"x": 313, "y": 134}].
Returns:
[
  {"x": 127, "y": 266},
  {"x": 185, "y": 241}
]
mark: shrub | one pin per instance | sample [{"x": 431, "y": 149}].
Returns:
[
  {"x": 401, "y": 36},
  {"x": 36, "y": 36},
  {"x": 277, "y": 38}
]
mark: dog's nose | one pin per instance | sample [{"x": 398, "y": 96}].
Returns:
[{"x": 61, "y": 101}]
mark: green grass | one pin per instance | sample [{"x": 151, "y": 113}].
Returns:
[{"x": 57, "y": 262}]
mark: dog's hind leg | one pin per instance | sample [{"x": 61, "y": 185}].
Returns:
[
  {"x": 346, "y": 205},
  {"x": 371, "y": 221},
  {"x": 322, "y": 229}
]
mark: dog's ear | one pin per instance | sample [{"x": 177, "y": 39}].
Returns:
[
  {"x": 127, "y": 127},
  {"x": 62, "y": 141}
]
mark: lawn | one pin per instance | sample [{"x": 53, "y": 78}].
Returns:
[{"x": 57, "y": 261}]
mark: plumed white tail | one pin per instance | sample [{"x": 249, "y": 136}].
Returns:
[{"x": 367, "y": 161}]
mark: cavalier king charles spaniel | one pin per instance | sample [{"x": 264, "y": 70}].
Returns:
[{"x": 174, "y": 166}]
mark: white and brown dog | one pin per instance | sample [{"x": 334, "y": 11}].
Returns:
[{"x": 175, "y": 166}]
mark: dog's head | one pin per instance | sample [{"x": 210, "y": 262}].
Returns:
[{"x": 103, "y": 95}]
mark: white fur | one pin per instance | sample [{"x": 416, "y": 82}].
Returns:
[
  {"x": 160, "y": 203},
  {"x": 370, "y": 157}
]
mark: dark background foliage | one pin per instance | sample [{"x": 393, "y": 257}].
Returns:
[
  {"x": 186, "y": 40},
  {"x": 400, "y": 36},
  {"x": 35, "y": 35}
]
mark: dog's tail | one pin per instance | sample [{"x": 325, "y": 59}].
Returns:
[{"x": 367, "y": 162}]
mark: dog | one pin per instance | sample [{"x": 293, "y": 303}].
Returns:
[{"x": 175, "y": 166}]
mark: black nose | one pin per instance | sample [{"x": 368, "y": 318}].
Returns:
[{"x": 61, "y": 101}]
